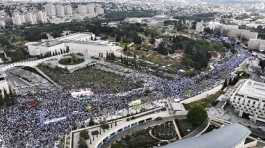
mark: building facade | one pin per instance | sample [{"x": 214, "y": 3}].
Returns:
[
  {"x": 249, "y": 99},
  {"x": 59, "y": 10},
  {"x": 75, "y": 43},
  {"x": 50, "y": 10}
]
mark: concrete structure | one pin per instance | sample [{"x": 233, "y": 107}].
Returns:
[
  {"x": 233, "y": 31},
  {"x": 4, "y": 87},
  {"x": 99, "y": 10},
  {"x": 68, "y": 10},
  {"x": 41, "y": 17},
  {"x": 16, "y": 19},
  {"x": 59, "y": 10},
  {"x": 248, "y": 34},
  {"x": 82, "y": 10},
  {"x": 31, "y": 18},
  {"x": 22, "y": 18},
  {"x": 50, "y": 10},
  {"x": 91, "y": 10},
  {"x": 125, "y": 126},
  {"x": 74, "y": 43},
  {"x": 2, "y": 22},
  {"x": 257, "y": 44},
  {"x": 229, "y": 136},
  {"x": 199, "y": 27},
  {"x": 249, "y": 98}
]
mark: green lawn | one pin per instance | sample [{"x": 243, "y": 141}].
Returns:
[
  {"x": 92, "y": 78},
  {"x": 206, "y": 102}
]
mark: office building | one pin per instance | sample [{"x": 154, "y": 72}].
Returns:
[
  {"x": 229, "y": 136},
  {"x": 59, "y": 10},
  {"x": 249, "y": 99},
  {"x": 82, "y": 10},
  {"x": 68, "y": 10},
  {"x": 50, "y": 10}
]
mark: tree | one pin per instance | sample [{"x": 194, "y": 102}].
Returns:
[
  {"x": 162, "y": 49},
  {"x": 152, "y": 40},
  {"x": 91, "y": 122},
  {"x": 125, "y": 49},
  {"x": 104, "y": 126},
  {"x": 117, "y": 145},
  {"x": 197, "y": 115},
  {"x": 82, "y": 143},
  {"x": 137, "y": 40},
  {"x": 95, "y": 133}
]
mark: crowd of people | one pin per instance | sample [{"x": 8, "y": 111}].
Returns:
[
  {"x": 25, "y": 123},
  {"x": 204, "y": 81}
]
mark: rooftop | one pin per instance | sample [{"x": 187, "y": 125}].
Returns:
[
  {"x": 252, "y": 89},
  {"x": 226, "y": 137}
]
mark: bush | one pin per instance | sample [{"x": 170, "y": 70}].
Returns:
[
  {"x": 84, "y": 134},
  {"x": 197, "y": 115},
  {"x": 94, "y": 133},
  {"x": 104, "y": 126},
  {"x": 73, "y": 60}
]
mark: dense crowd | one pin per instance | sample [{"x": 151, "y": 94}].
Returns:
[
  {"x": 195, "y": 85},
  {"x": 25, "y": 123}
]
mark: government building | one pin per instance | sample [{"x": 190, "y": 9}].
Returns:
[
  {"x": 85, "y": 43},
  {"x": 249, "y": 99}
]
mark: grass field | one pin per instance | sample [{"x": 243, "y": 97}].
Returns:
[{"x": 97, "y": 80}]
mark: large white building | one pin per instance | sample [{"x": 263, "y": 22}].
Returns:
[
  {"x": 50, "y": 10},
  {"x": 4, "y": 86},
  {"x": 249, "y": 98},
  {"x": 41, "y": 17},
  {"x": 233, "y": 31},
  {"x": 91, "y": 10},
  {"x": 199, "y": 27},
  {"x": 257, "y": 44},
  {"x": 68, "y": 10},
  {"x": 99, "y": 10},
  {"x": 16, "y": 19},
  {"x": 31, "y": 18},
  {"x": 82, "y": 9},
  {"x": 59, "y": 10},
  {"x": 75, "y": 43}
]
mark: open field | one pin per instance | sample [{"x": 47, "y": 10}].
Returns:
[{"x": 97, "y": 80}]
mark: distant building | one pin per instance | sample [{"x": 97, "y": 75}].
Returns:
[
  {"x": 41, "y": 17},
  {"x": 59, "y": 10},
  {"x": 4, "y": 86},
  {"x": 82, "y": 10},
  {"x": 31, "y": 18},
  {"x": 75, "y": 43},
  {"x": 199, "y": 27},
  {"x": 248, "y": 34},
  {"x": 68, "y": 10},
  {"x": 50, "y": 10},
  {"x": 99, "y": 10},
  {"x": 16, "y": 19},
  {"x": 22, "y": 18},
  {"x": 249, "y": 99},
  {"x": 91, "y": 10},
  {"x": 256, "y": 44},
  {"x": 2, "y": 23},
  {"x": 233, "y": 31},
  {"x": 229, "y": 136}
]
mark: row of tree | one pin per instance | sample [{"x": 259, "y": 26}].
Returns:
[
  {"x": 7, "y": 99},
  {"x": 49, "y": 54}
]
